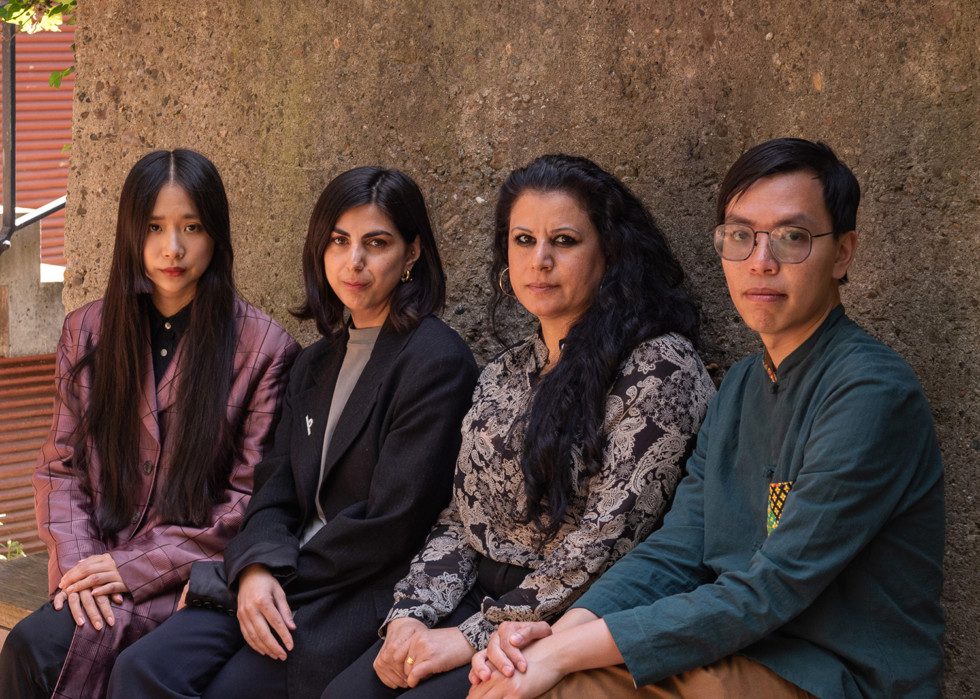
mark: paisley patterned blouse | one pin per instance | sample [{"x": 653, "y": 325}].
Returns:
[{"x": 653, "y": 410}]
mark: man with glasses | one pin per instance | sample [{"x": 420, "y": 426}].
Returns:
[{"x": 803, "y": 551}]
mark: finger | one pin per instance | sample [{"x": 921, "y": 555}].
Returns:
[
  {"x": 420, "y": 670},
  {"x": 75, "y": 605},
  {"x": 117, "y": 598},
  {"x": 93, "y": 580},
  {"x": 498, "y": 658},
  {"x": 275, "y": 619},
  {"x": 261, "y": 625},
  {"x": 59, "y": 600},
  {"x": 282, "y": 605},
  {"x": 102, "y": 603},
  {"x": 91, "y": 609},
  {"x": 386, "y": 670},
  {"x": 481, "y": 668},
  {"x": 112, "y": 588}
]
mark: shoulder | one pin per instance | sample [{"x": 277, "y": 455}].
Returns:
[
  {"x": 433, "y": 340},
  {"x": 260, "y": 332},
  {"x": 86, "y": 318},
  {"x": 667, "y": 366},
  {"x": 857, "y": 363},
  {"x": 673, "y": 348}
]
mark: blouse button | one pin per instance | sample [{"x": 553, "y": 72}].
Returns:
[
  {"x": 147, "y": 467},
  {"x": 136, "y": 517},
  {"x": 167, "y": 326},
  {"x": 163, "y": 352}
]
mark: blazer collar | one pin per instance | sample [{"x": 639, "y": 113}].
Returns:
[{"x": 362, "y": 399}]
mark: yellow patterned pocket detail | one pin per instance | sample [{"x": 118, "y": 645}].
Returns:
[{"x": 777, "y": 499}]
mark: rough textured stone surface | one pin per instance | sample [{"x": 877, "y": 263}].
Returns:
[
  {"x": 665, "y": 94},
  {"x": 30, "y": 319}
]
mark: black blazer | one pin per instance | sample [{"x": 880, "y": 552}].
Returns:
[{"x": 388, "y": 474}]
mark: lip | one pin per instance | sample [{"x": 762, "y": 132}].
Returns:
[
  {"x": 764, "y": 295},
  {"x": 355, "y": 286},
  {"x": 540, "y": 287},
  {"x": 173, "y": 271}
]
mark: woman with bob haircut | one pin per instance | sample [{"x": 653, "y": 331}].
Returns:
[
  {"x": 167, "y": 389},
  {"x": 362, "y": 465},
  {"x": 576, "y": 437}
]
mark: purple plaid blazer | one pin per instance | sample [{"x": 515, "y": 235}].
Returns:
[{"x": 154, "y": 558}]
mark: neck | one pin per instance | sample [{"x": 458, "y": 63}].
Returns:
[
  {"x": 553, "y": 333},
  {"x": 170, "y": 305},
  {"x": 781, "y": 345}
]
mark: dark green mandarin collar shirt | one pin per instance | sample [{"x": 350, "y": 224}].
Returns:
[{"x": 807, "y": 535}]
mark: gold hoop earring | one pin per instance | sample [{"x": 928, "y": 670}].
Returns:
[
  {"x": 500, "y": 282},
  {"x": 406, "y": 275}
]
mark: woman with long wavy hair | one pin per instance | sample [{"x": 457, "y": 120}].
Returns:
[
  {"x": 576, "y": 437},
  {"x": 166, "y": 392}
]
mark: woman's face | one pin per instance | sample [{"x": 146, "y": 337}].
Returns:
[
  {"x": 364, "y": 261},
  {"x": 177, "y": 249},
  {"x": 555, "y": 259}
]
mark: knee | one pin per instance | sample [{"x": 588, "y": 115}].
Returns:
[
  {"x": 131, "y": 665},
  {"x": 16, "y": 648}
]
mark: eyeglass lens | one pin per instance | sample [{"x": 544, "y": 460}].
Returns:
[{"x": 787, "y": 244}]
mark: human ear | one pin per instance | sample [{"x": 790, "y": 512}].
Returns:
[{"x": 847, "y": 244}]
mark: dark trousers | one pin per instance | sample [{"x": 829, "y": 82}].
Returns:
[
  {"x": 359, "y": 679},
  {"x": 196, "y": 652},
  {"x": 34, "y": 652}
]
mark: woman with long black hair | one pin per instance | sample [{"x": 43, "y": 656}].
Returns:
[
  {"x": 576, "y": 437},
  {"x": 362, "y": 465},
  {"x": 167, "y": 389}
]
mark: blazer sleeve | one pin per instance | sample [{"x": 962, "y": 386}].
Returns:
[
  {"x": 409, "y": 485},
  {"x": 62, "y": 506},
  {"x": 652, "y": 413},
  {"x": 160, "y": 558}
]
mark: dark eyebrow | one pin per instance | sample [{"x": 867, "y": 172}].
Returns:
[
  {"x": 799, "y": 220},
  {"x": 369, "y": 234},
  {"x": 185, "y": 217},
  {"x": 566, "y": 228},
  {"x": 521, "y": 228}
]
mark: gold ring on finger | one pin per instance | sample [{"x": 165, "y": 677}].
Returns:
[{"x": 409, "y": 660}]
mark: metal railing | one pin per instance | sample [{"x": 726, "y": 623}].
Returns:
[{"x": 10, "y": 223}]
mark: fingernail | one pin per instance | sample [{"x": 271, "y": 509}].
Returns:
[
  {"x": 98, "y": 626},
  {"x": 517, "y": 638}
]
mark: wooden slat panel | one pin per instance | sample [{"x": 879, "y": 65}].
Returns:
[
  {"x": 43, "y": 129},
  {"x": 26, "y": 404}
]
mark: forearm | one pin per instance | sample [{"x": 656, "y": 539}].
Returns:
[{"x": 569, "y": 649}]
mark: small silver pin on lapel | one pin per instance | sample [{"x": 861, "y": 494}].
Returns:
[{"x": 309, "y": 424}]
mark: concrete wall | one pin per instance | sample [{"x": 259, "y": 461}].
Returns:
[
  {"x": 665, "y": 94},
  {"x": 31, "y": 313}
]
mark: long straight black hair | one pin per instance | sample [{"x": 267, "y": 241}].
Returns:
[
  {"x": 200, "y": 439},
  {"x": 401, "y": 200},
  {"x": 641, "y": 296}
]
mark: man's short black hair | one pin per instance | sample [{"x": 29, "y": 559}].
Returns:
[{"x": 841, "y": 191}]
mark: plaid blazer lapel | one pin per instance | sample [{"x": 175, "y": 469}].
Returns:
[{"x": 149, "y": 406}]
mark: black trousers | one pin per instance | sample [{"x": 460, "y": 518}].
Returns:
[
  {"x": 196, "y": 652},
  {"x": 359, "y": 679},
  {"x": 34, "y": 652}
]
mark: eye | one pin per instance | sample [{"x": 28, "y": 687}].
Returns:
[
  {"x": 564, "y": 240},
  {"x": 154, "y": 228},
  {"x": 377, "y": 243},
  {"x": 793, "y": 236},
  {"x": 194, "y": 228},
  {"x": 739, "y": 235},
  {"x": 338, "y": 240},
  {"x": 523, "y": 239}
]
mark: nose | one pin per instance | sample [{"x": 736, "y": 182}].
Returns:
[
  {"x": 542, "y": 258},
  {"x": 356, "y": 259},
  {"x": 174, "y": 245},
  {"x": 761, "y": 259}
]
